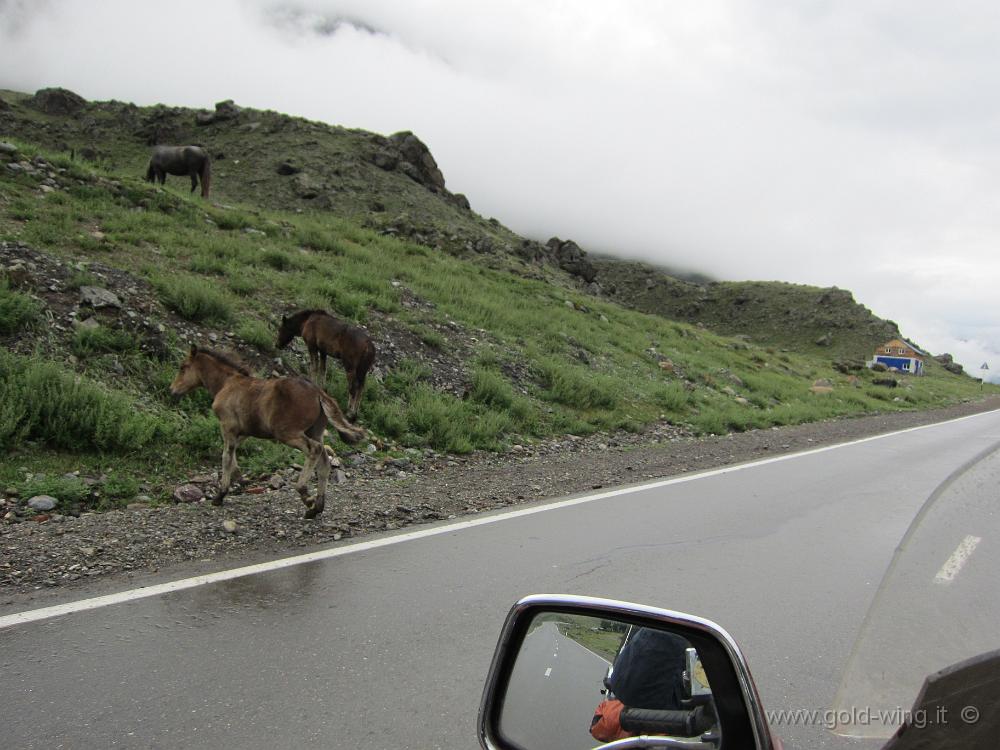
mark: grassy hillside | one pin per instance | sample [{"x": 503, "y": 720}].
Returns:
[
  {"x": 824, "y": 322},
  {"x": 471, "y": 355},
  {"x": 264, "y": 158}
]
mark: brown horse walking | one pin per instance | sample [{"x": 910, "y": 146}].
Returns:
[
  {"x": 326, "y": 335},
  {"x": 292, "y": 411},
  {"x": 181, "y": 160}
]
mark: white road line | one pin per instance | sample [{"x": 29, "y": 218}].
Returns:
[
  {"x": 82, "y": 605},
  {"x": 954, "y": 564},
  {"x": 548, "y": 671}
]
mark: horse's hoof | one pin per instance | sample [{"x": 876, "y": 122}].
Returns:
[
  {"x": 312, "y": 512},
  {"x": 217, "y": 500}
]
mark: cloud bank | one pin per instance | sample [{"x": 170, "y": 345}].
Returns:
[{"x": 850, "y": 145}]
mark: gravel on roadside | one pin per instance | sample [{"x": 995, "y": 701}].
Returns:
[{"x": 265, "y": 519}]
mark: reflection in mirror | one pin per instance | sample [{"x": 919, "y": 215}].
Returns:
[{"x": 579, "y": 681}]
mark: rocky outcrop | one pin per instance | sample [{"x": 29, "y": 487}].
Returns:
[
  {"x": 571, "y": 258},
  {"x": 777, "y": 314},
  {"x": 404, "y": 152},
  {"x": 848, "y": 365},
  {"x": 417, "y": 162},
  {"x": 949, "y": 363},
  {"x": 161, "y": 126},
  {"x": 57, "y": 101},
  {"x": 224, "y": 111},
  {"x": 307, "y": 186},
  {"x": 98, "y": 297}
]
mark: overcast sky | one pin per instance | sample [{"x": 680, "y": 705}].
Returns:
[{"x": 837, "y": 144}]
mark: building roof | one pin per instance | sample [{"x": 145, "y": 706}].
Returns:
[{"x": 907, "y": 343}]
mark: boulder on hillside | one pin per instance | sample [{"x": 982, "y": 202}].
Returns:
[
  {"x": 306, "y": 186},
  {"x": 848, "y": 365},
  {"x": 949, "y": 363},
  {"x": 225, "y": 110},
  {"x": 97, "y": 297},
  {"x": 423, "y": 167},
  {"x": 161, "y": 126},
  {"x": 572, "y": 259},
  {"x": 387, "y": 160},
  {"x": 57, "y": 101},
  {"x": 531, "y": 251}
]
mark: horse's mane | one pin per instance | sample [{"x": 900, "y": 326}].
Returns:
[
  {"x": 227, "y": 359},
  {"x": 298, "y": 318}
]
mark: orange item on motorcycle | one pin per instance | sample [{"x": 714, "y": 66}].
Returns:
[{"x": 606, "y": 725}]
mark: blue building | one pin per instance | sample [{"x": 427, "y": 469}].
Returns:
[{"x": 901, "y": 356}]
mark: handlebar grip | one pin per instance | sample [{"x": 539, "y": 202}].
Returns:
[{"x": 662, "y": 721}]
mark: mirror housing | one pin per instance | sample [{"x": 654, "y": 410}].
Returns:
[{"x": 740, "y": 713}]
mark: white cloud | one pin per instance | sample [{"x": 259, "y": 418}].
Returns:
[{"x": 834, "y": 144}]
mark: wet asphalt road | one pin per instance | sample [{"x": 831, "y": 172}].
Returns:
[{"x": 388, "y": 647}]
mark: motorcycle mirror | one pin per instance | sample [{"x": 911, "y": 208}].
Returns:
[{"x": 572, "y": 672}]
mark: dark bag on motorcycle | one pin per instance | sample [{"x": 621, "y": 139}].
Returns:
[{"x": 606, "y": 726}]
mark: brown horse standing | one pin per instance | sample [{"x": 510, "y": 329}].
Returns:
[
  {"x": 325, "y": 334},
  {"x": 181, "y": 160},
  {"x": 292, "y": 411}
]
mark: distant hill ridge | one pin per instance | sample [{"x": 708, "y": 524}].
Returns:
[{"x": 394, "y": 185}]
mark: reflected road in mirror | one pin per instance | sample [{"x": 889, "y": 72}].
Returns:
[{"x": 554, "y": 688}]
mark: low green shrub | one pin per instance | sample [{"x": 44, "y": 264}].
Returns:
[
  {"x": 196, "y": 299},
  {"x": 231, "y": 220},
  {"x": 492, "y": 389},
  {"x": 67, "y": 490},
  {"x": 569, "y": 385},
  {"x": 277, "y": 259},
  {"x": 405, "y": 377},
  {"x": 438, "y": 420},
  {"x": 200, "y": 434},
  {"x": 431, "y": 338},
  {"x": 40, "y": 400},
  {"x": 17, "y": 310},
  {"x": 120, "y": 487},
  {"x": 208, "y": 265},
  {"x": 257, "y": 333},
  {"x": 320, "y": 240},
  {"x": 98, "y": 339},
  {"x": 81, "y": 278},
  {"x": 240, "y": 282},
  {"x": 672, "y": 397}
]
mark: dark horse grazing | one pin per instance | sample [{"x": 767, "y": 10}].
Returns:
[
  {"x": 181, "y": 160},
  {"x": 325, "y": 334},
  {"x": 292, "y": 411}
]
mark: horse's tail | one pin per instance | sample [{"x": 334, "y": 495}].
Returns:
[
  {"x": 150, "y": 172},
  {"x": 206, "y": 175},
  {"x": 335, "y": 417},
  {"x": 365, "y": 363}
]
